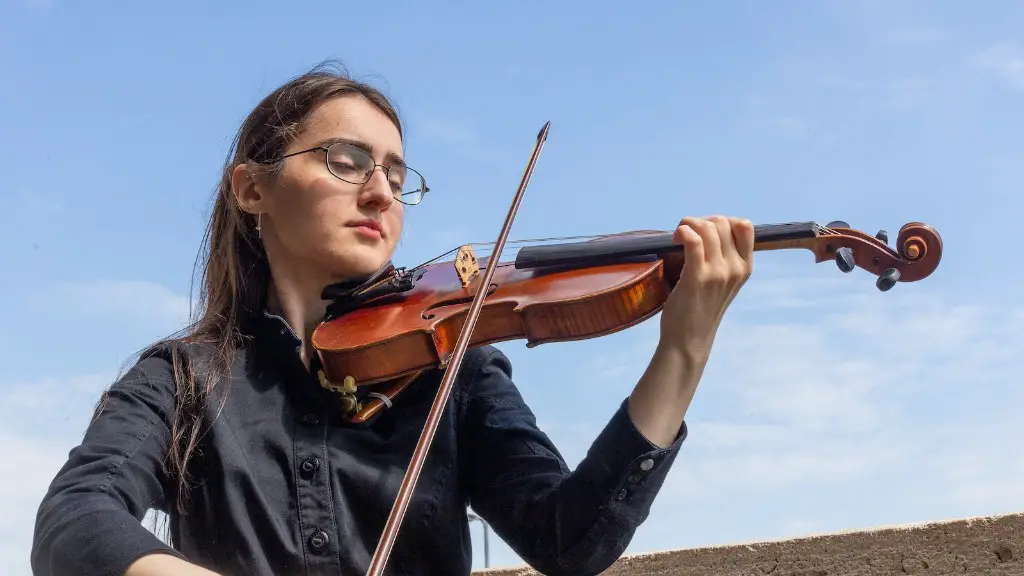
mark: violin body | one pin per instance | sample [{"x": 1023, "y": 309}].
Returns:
[{"x": 417, "y": 330}]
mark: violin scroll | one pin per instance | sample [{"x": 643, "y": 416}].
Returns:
[{"x": 916, "y": 255}]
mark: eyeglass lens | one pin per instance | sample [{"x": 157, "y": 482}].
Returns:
[{"x": 355, "y": 165}]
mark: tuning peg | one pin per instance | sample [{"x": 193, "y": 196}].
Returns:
[
  {"x": 837, "y": 224},
  {"x": 883, "y": 236},
  {"x": 844, "y": 259},
  {"x": 888, "y": 279}
]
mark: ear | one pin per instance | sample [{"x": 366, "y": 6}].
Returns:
[{"x": 246, "y": 190}]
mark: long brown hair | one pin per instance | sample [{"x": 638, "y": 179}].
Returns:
[{"x": 235, "y": 273}]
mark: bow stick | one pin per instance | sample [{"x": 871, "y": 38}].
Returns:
[{"x": 412, "y": 473}]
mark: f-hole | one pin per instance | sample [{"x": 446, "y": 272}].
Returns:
[{"x": 454, "y": 301}]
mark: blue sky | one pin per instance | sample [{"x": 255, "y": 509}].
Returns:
[{"x": 827, "y": 405}]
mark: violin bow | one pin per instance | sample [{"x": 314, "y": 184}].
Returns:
[{"x": 419, "y": 455}]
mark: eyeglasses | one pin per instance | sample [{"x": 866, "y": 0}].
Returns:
[{"x": 354, "y": 165}]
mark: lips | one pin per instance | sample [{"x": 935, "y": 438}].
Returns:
[{"x": 368, "y": 223}]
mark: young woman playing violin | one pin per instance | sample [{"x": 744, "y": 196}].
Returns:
[{"x": 229, "y": 430}]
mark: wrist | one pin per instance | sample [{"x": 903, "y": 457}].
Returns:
[
  {"x": 688, "y": 355},
  {"x": 677, "y": 369}
]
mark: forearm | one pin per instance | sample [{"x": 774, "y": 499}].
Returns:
[
  {"x": 165, "y": 565},
  {"x": 89, "y": 534},
  {"x": 578, "y": 522},
  {"x": 662, "y": 396},
  {"x": 561, "y": 521}
]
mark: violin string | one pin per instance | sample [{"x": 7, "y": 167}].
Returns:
[
  {"x": 819, "y": 229},
  {"x": 531, "y": 240},
  {"x": 510, "y": 242}
]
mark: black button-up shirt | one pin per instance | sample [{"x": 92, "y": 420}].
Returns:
[{"x": 282, "y": 486}]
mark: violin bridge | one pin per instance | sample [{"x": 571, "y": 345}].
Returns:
[{"x": 466, "y": 265}]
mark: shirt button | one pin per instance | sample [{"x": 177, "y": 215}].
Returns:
[
  {"x": 309, "y": 466},
  {"x": 621, "y": 495},
  {"x": 633, "y": 478},
  {"x": 310, "y": 419},
  {"x": 647, "y": 464},
  {"x": 318, "y": 541}
]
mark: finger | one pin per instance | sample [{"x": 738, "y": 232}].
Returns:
[
  {"x": 743, "y": 234},
  {"x": 723, "y": 226},
  {"x": 693, "y": 249},
  {"x": 708, "y": 235}
]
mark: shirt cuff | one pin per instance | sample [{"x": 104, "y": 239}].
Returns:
[
  {"x": 628, "y": 469},
  {"x": 106, "y": 543}
]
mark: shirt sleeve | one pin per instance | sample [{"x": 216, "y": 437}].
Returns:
[
  {"x": 559, "y": 521},
  {"x": 90, "y": 521}
]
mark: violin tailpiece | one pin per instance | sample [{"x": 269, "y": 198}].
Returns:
[{"x": 466, "y": 265}]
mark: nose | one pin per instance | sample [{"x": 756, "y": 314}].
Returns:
[{"x": 377, "y": 189}]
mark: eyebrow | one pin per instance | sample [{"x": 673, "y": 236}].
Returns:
[{"x": 391, "y": 156}]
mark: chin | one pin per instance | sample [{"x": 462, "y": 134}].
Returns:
[{"x": 357, "y": 263}]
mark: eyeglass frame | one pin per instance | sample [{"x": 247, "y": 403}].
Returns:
[{"x": 369, "y": 173}]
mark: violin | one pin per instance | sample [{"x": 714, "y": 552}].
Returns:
[{"x": 407, "y": 321}]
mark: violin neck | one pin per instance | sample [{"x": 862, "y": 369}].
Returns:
[{"x": 650, "y": 246}]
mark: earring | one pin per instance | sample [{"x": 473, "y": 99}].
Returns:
[{"x": 259, "y": 225}]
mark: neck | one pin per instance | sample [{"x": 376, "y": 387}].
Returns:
[
  {"x": 303, "y": 298},
  {"x": 299, "y": 304}
]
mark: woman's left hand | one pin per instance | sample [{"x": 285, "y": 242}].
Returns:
[{"x": 718, "y": 261}]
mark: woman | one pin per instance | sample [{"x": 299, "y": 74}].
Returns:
[{"x": 228, "y": 429}]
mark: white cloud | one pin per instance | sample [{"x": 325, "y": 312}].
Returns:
[
  {"x": 136, "y": 301},
  {"x": 462, "y": 136},
  {"x": 850, "y": 379},
  {"x": 907, "y": 93},
  {"x": 454, "y": 133},
  {"x": 899, "y": 93},
  {"x": 42, "y": 419},
  {"x": 891, "y": 392},
  {"x": 841, "y": 81},
  {"x": 914, "y": 36},
  {"x": 26, "y": 470},
  {"x": 829, "y": 405},
  {"x": 788, "y": 126},
  {"x": 37, "y": 202},
  {"x": 1006, "y": 61}
]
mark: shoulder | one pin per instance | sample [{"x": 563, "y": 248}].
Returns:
[
  {"x": 484, "y": 363},
  {"x": 487, "y": 378},
  {"x": 152, "y": 378},
  {"x": 162, "y": 360}
]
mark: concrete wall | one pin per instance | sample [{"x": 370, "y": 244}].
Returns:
[{"x": 993, "y": 545}]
